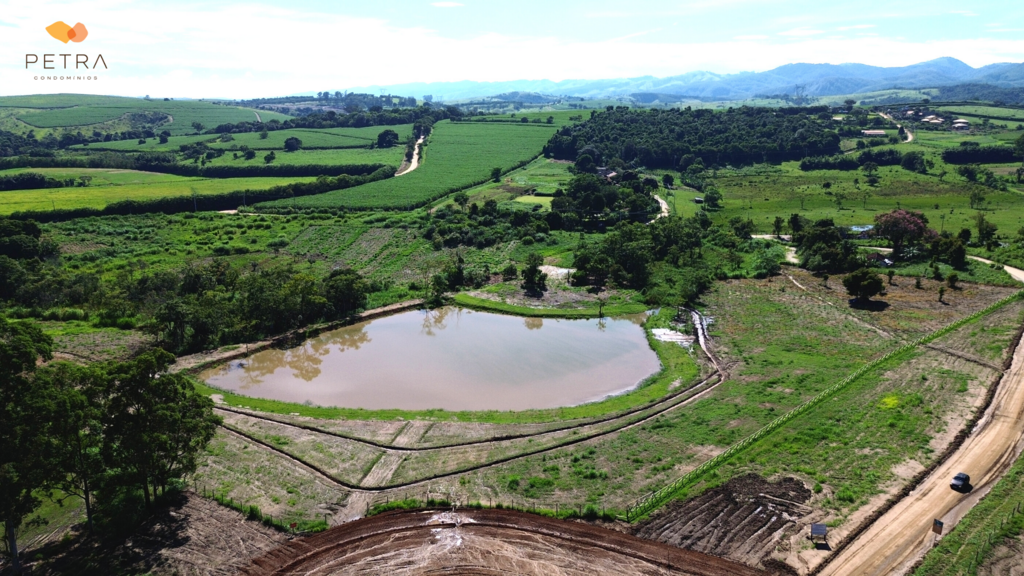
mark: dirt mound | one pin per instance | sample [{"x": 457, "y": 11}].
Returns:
[
  {"x": 741, "y": 520},
  {"x": 483, "y": 542}
]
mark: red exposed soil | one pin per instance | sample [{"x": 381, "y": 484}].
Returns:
[{"x": 483, "y": 542}]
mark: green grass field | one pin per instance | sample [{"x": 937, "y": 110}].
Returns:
[
  {"x": 992, "y": 111},
  {"x": 114, "y": 185},
  {"x": 326, "y": 138},
  {"x": 339, "y": 156},
  {"x": 70, "y": 110},
  {"x": 458, "y": 155}
]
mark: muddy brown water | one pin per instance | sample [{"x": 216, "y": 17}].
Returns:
[{"x": 451, "y": 358}]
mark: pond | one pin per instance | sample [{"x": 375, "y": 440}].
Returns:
[{"x": 451, "y": 358}]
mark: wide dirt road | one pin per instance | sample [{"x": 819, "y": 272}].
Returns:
[{"x": 899, "y": 537}]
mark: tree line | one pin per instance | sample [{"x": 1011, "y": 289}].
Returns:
[
  {"x": 663, "y": 138},
  {"x": 105, "y": 433}
]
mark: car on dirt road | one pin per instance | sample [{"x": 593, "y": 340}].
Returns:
[{"x": 960, "y": 482}]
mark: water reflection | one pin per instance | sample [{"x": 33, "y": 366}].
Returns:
[{"x": 451, "y": 358}]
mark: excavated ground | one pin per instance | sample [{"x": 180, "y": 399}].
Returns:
[
  {"x": 743, "y": 519},
  {"x": 483, "y": 542}
]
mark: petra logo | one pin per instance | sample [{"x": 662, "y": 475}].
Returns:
[{"x": 64, "y": 33}]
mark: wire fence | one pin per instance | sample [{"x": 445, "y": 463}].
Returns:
[{"x": 652, "y": 500}]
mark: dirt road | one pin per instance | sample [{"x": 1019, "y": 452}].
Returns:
[
  {"x": 790, "y": 251},
  {"x": 664, "y": 207},
  {"x": 910, "y": 135},
  {"x": 902, "y": 535},
  {"x": 415, "y": 158},
  {"x": 483, "y": 542},
  {"x": 1015, "y": 273}
]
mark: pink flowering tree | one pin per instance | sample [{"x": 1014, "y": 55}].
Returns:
[{"x": 901, "y": 227}]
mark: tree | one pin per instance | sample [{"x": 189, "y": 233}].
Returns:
[
  {"x": 28, "y": 456},
  {"x": 952, "y": 280},
  {"x": 976, "y": 199},
  {"x": 461, "y": 198},
  {"x": 387, "y": 139},
  {"x": 668, "y": 180},
  {"x": 199, "y": 127},
  {"x": 264, "y": 134},
  {"x": 777, "y": 225},
  {"x": 163, "y": 139},
  {"x": 157, "y": 423},
  {"x": 849, "y": 104},
  {"x": 496, "y": 174},
  {"x": 986, "y": 229},
  {"x": 345, "y": 291},
  {"x": 713, "y": 198},
  {"x": 863, "y": 284},
  {"x": 1018, "y": 147},
  {"x": 292, "y": 144},
  {"x": 533, "y": 279},
  {"x": 585, "y": 163},
  {"x": 270, "y": 157},
  {"x": 901, "y": 227},
  {"x": 79, "y": 407},
  {"x": 768, "y": 261},
  {"x": 249, "y": 154},
  {"x": 942, "y": 292}
]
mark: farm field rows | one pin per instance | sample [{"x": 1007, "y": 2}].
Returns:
[
  {"x": 98, "y": 110},
  {"x": 311, "y": 138},
  {"x": 458, "y": 155},
  {"x": 115, "y": 185}
]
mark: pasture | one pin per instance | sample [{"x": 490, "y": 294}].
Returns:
[
  {"x": 325, "y": 138},
  {"x": 458, "y": 155},
  {"x": 338, "y": 156},
  {"x": 109, "y": 186}
]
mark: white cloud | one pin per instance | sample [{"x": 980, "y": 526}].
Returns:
[
  {"x": 856, "y": 27},
  {"x": 446, "y": 4},
  {"x": 963, "y": 12},
  {"x": 802, "y": 31},
  {"x": 195, "y": 53}
]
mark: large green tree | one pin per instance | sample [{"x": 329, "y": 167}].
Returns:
[
  {"x": 156, "y": 422},
  {"x": 79, "y": 403},
  {"x": 28, "y": 456}
]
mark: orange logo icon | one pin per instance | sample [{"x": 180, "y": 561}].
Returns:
[{"x": 63, "y": 32}]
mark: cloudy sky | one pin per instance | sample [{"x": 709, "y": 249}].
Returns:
[{"x": 231, "y": 49}]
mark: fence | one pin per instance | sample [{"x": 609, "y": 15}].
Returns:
[{"x": 645, "y": 504}]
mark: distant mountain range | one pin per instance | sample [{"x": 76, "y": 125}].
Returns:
[{"x": 806, "y": 79}]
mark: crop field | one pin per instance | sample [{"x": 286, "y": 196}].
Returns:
[
  {"x": 115, "y": 185},
  {"x": 72, "y": 110},
  {"x": 326, "y": 138},
  {"x": 459, "y": 155},
  {"x": 338, "y": 156}
]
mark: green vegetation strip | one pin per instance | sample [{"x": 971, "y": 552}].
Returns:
[
  {"x": 657, "y": 498},
  {"x": 999, "y": 515},
  {"x": 493, "y": 306}
]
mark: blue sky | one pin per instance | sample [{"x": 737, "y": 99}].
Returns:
[{"x": 226, "y": 48}]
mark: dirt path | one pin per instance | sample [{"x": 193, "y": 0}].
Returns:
[
  {"x": 1015, "y": 273},
  {"x": 664, "y": 207},
  {"x": 910, "y": 135},
  {"x": 415, "y": 158},
  {"x": 483, "y": 542},
  {"x": 790, "y": 251},
  {"x": 258, "y": 119},
  {"x": 903, "y": 535}
]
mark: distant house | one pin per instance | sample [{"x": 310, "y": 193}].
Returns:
[
  {"x": 606, "y": 173},
  {"x": 878, "y": 259},
  {"x": 873, "y": 132},
  {"x": 698, "y": 200},
  {"x": 961, "y": 124}
]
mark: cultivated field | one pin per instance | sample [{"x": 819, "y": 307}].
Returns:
[{"x": 459, "y": 155}]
